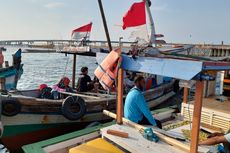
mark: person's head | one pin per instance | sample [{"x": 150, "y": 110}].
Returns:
[
  {"x": 84, "y": 70},
  {"x": 140, "y": 82},
  {"x": 64, "y": 82},
  {"x": 42, "y": 86}
]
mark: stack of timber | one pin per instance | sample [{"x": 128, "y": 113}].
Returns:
[{"x": 214, "y": 113}]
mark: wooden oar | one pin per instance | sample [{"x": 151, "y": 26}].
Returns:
[{"x": 162, "y": 137}]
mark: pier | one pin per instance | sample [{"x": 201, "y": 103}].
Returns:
[{"x": 61, "y": 42}]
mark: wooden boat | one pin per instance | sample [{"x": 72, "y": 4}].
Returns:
[
  {"x": 63, "y": 143},
  {"x": 9, "y": 75},
  {"x": 39, "y": 50},
  {"x": 30, "y": 119},
  {"x": 86, "y": 139}
]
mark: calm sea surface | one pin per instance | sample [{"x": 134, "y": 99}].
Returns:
[{"x": 48, "y": 67}]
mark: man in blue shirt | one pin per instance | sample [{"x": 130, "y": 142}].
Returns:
[
  {"x": 217, "y": 138},
  {"x": 136, "y": 108}
]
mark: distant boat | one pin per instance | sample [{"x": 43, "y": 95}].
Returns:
[
  {"x": 39, "y": 50},
  {"x": 3, "y": 49},
  {"x": 10, "y": 75}
]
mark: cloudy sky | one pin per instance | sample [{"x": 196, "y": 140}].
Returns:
[{"x": 196, "y": 21}]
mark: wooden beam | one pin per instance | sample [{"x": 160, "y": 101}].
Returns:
[
  {"x": 74, "y": 70},
  {"x": 120, "y": 107},
  {"x": 185, "y": 98},
  {"x": 197, "y": 116}
]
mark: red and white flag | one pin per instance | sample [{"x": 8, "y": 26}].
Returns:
[
  {"x": 82, "y": 32},
  {"x": 135, "y": 16}
]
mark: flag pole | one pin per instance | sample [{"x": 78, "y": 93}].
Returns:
[
  {"x": 152, "y": 39},
  {"x": 105, "y": 24}
]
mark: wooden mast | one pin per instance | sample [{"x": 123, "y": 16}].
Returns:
[
  {"x": 197, "y": 116},
  {"x": 105, "y": 24}
]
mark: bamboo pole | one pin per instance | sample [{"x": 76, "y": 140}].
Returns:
[
  {"x": 74, "y": 70},
  {"x": 105, "y": 24},
  {"x": 163, "y": 138},
  {"x": 120, "y": 107},
  {"x": 185, "y": 98},
  {"x": 197, "y": 116}
]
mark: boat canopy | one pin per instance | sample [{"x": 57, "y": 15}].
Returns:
[{"x": 179, "y": 68}]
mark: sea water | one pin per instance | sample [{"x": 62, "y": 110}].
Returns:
[{"x": 48, "y": 68}]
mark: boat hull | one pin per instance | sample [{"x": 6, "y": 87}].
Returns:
[{"x": 41, "y": 119}]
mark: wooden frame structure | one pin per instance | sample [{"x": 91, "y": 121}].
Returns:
[{"x": 206, "y": 66}]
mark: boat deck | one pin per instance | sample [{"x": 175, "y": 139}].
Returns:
[{"x": 136, "y": 143}]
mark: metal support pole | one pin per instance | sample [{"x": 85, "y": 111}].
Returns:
[
  {"x": 74, "y": 70},
  {"x": 105, "y": 24},
  {"x": 197, "y": 116},
  {"x": 120, "y": 88}
]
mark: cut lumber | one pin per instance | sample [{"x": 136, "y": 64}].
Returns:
[{"x": 118, "y": 133}]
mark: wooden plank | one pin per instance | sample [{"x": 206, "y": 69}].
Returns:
[
  {"x": 120, "y": 107},
  {"x": 163, "y": 138},
  {"x": 197, "y": 116},
  {"x": 118, "y": 133},
  {"x": 66, "y": 145},
  {"x": 136, "y": 143}
]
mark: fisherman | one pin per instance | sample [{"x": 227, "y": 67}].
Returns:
[
  {"x": 62, "y": 86},
  {"x": 136, "y": 108},
  {"x": 45, "y": 92},
  {"x": 217, "y": 138},
  {"x": 84, "y": 83}
]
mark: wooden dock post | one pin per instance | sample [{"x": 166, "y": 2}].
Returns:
[
  {"x": 74, "y": 70},
  {"x": 185, "y": 98},
  {"x": 120, "y": 108},
  {"x": 197, "y": 116}
]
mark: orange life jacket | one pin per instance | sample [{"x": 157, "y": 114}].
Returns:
[
  {"x": 106, "y": 72},
  {"x": 149, "y": 83}
]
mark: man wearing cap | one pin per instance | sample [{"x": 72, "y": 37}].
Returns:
[{"x": 84, "y": 83}]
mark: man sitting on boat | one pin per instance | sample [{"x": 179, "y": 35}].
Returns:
[
  {"x": 45, "y": 92},
  {"x": 217, "y": 138},
  {"x": 136, "y": 108},
  {"x": 62, "y": 86},
  {"x": 84, "y": 83}
]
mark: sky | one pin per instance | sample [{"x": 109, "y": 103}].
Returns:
[{"x": 181, "y": 21}]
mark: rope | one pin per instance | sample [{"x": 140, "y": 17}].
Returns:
[{"x": 66, "y": 67}]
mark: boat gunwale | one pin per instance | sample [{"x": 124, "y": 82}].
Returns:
[{"x": 38, "y": 147}]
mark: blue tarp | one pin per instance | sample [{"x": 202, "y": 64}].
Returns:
[{"x": 180, "y": 69}]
